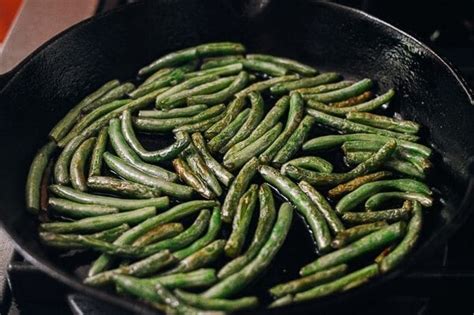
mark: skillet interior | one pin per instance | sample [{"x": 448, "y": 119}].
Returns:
[{"x": 328, "y": 36}]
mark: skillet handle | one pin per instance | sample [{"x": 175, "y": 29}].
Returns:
[{"x": 247, "y": 8}]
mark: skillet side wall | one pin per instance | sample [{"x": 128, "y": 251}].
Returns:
[{"x": 115, "y": 45}]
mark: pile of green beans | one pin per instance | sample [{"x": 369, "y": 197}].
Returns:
[{"x": 190, "y": 225}]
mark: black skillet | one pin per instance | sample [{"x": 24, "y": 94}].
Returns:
[{"x": 114, "y": 45}]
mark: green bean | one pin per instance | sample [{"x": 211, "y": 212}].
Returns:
[
  {"x": 198, "y": 278},
  {"x": 352, "y": 185},
  {"x": 311, "y": 163},
  {"x": 95, "y": 163},
  {"x": 131, "y": 173},
  {"x": 237, "y": 159},
  {"x": 218, "y": 141},
  {"x": 215, "y": 62},
  {"x": 143, "y": 267},
  {"x": 354, "y": 233},
  {"x": 88, "y": 119},
  {"x": 384, "y": 122},
  {"x": 295, "y": 115},
  {"x": 181, "y": 98},
  {"x": 237, "y": 189},
  {"x": 157, "y": 75},
  {"x": 169, "y": 60},
  {"x": 369, "y": 243},
  {"x": 200, "y": 258},
  {"x": 61, "y": 174},
  {"x": 200, "y": 126},
  {"x": 390, "y": 215},
  {"x": 352, "y": 127},
  {"x": 324, "y": 88},
  {"x": 264, "y": 85},
  {"x": 406, "y": 245},
  {"x": 159, "y": 233},
  {"x": 184, "y": 238},
  {"x": 220, "y": 49},
  {"x": 294, "y": 141},
  {"x": 93, "y": 128},
  {"x": 241, "y": 222},
  {"x": 406, "y": 154},
  {"x": 68, "y": 121},
  {"x": 200, "y": 302},
  {"x": 177, "y": 212},
  {"x": 181, "y": 240},
  {"x": 173, "y": 113},
  {"x": 268, "y": 68},
  {"x": 285, "y": 300},
  {"x": 347, "y": 282},
  {"x": 61, "y": 168},
  {"x": 290, "y": 64},
  {"x": 35, "y": 176},
  {"x": 321, "y": 179},
  {"x": 219, "y": 71},
  {"x": 100, "y": 223},
  {"x": 212, "y": 231},
  {"x": 135, "y": 287},
  {"x": 268, "y": 122},
  {"x": 78, "y": 210},
  {"x": 327, "y": 142},
  {"x": 223, "y": 95},
  {"x": 168, "y": 124},
  {"x": 78, "y": 162},
  {"x": 70, "y": 241},
  {"x": 363, "y": 107},
  {"x": 302, "y": 202},
  {"x": 285, "y": 87},
  {"x": 232, "y": 111},
  {"x": 173, "y": 78},
  {"x": 200, "y": 169},
  {"x": 394, "y": 164},
  {"x": 376, "y": 200},
  {"x": 190, "y": 178},
  {"x": 186, "y": 85},
  {"x": 121, "y": 187},
  {"x": 224, "y": 176},
  {"x": 361, "y": 98},
  {"x": 174, "y": 305},
  {"x": 355, "y": 198},
  {"x": 121, "y": 204},
  {"x": 309, "y": 281},
  {"x": 253, "y": 120},
  {"x": 125, "y": 152},
  {"x": 323, "y": 206},
  {"x": 265, "y": 223},
  {"x": 167, "y": 153},
  {"x": 239, "y": 280},
  {"x": 112, "y": 95},
  {"x": 344, "y": 93}
]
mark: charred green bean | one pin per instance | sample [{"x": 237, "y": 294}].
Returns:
[
  {"x": 121, "y": 204},
  {"x": 302, "y": 202},
  {"x": 241, "y": 222},
  {"x": 121, "y": 187},
  {"x": 364, "y": 245},
  {"x": 224, "y": 176}
]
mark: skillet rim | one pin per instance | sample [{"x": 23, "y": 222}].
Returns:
[{"x": 442, "y": 236}]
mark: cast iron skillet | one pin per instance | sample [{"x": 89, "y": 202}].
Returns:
[{"x": 114, "y": 45}]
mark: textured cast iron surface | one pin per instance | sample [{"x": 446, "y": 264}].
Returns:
[{"x": 328, "y": 36}]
